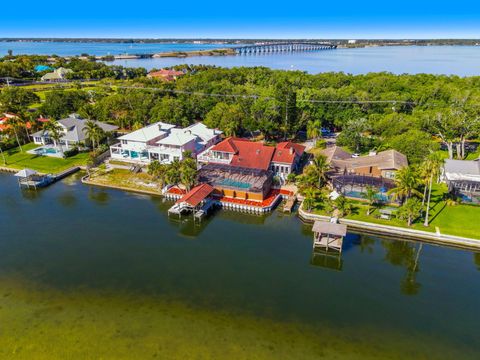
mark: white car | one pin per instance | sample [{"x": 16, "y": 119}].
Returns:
[{"x": 355, "y": 155}]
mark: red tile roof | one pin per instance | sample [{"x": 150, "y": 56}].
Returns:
[
  {"x": 247, "y": 154},
  {"x": 286, "y": 151},
  {"x": 166, "y": 74},
  {"x": 196, "y": 195}
]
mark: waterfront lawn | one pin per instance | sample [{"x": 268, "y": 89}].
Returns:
[
  {"x": 122, "y": 178},
  {"x": 16, "y": 159},
  {"x": 458, "y": 220}
]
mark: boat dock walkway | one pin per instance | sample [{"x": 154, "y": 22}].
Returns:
[{"x": 291, "y": 201}]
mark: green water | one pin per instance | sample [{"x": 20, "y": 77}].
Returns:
[{"x": 90, "y": 273}]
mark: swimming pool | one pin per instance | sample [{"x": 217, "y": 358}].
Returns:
[
  {"x": 46, "y": 150},
  {"x": 360, "y": 195},
  {"x": 234, "y": 183}
]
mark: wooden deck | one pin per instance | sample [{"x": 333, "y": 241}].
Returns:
[{"x": 288, "y": 207}]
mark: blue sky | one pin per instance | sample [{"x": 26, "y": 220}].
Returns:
[{"x": 242, "y": 19}]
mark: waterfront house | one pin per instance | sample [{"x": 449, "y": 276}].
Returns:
[
  {"x": 165, "y": 74},
  {"x": 286, "y": 159},
  {"x": 57, "y": 74},
  {"x": 383, "y": 164},
  {"x": 351, "y": 174},
  {"x": 73, "y": 130},
  {"x": 463, "y": 179},
  {"x": 163, "y": 142},
  {"x": 244, "y": 169}
]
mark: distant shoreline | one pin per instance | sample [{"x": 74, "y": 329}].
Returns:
[{"x": 339, "y": 42}]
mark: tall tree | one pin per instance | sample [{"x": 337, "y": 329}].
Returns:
[
  {"x": 431, "y": 170},
  {"x": 407, "y": 182},
  {"x": 55, "y": 132}
]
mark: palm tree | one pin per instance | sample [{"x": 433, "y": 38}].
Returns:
[
  {"x": 93, "y": 132},
  {"x": 16, "y": 124},
  {"x": 314, "y": 129},
  {"x": 310, "y": 198},
  {"x": 371, "y": 196},
  {"x": 172, "y": 175},
  {"x": 431, "y": 168},
  {"x": 410, "y": 210},
  {"x": 320, "y": 167},
  {"x": 407, "y": 183},
  {"x": 158, "y": 172},
  {"x": 343, "y": 206},
  {"x": 55, "y": 132},
  {"x": 188, "y": 173}
]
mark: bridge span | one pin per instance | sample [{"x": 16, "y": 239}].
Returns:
[{"x": 282, "y": 47}]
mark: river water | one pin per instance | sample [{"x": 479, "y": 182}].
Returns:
[
  {"x": 456, "y": 60},
  {"x": 88, "y": 272}
]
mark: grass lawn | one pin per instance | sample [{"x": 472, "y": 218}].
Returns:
[
  {"x": 460, "y": 220},
  {"x": 19, "y": 160},
  {"x": 125, "y": 179}
]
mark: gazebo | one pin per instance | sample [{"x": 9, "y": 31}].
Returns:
[
  {"x": 328, "y": 235},
  {"x": 31, "y": 179}
]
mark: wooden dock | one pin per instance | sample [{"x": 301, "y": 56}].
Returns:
[{"x": 291, "y": 201}]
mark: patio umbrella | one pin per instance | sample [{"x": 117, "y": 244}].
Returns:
[{"x": 25, "y": 173}]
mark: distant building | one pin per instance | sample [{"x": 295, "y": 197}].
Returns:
[
  {"x": 463, "y": 179},
  {"x": 164, "y": 143},
  {"x": 352, "y": 42},
  {"x": 73, "y": 129},
  {"x": 57, "y": 74},
  {"x": 166, "y": 75}
]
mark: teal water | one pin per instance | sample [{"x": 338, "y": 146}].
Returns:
[{"x": 99, "y": 262}]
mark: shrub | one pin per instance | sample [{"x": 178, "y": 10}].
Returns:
[{"x": 71, "y": 152}]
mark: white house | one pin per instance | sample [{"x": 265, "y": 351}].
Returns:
[
  {"x": 463, "y": 179},
  {"x": 163, "y": 142}
]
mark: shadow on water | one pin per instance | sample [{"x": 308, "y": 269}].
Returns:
[
  {"x": 67, "y": 199},
  {"x": 99, "y": 195}
]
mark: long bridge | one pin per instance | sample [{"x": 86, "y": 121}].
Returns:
[{"x": 282, "y": 47}]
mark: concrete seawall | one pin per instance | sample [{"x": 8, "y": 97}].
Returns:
[{"x": 398, "y": 232}]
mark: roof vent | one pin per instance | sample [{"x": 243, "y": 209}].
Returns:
[{"x": 258, "y": 151}]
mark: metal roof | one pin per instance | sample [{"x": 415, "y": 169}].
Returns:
[{"x": 324, "y": 227}]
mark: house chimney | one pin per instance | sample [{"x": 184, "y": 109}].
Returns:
[{"x": 292, "y": 150}]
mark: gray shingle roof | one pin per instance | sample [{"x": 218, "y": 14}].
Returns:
[{"x": 75, "y": 127}]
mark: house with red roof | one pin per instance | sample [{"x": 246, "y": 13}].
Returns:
[
  {"x": 241, "y": 168},
  {"x": 165, "y": 74}
]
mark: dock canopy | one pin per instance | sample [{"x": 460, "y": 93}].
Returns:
[
  {"x": 195, "y": 196},
  {"x": 322, "y": 227},
  {"x": 25, "y": 173}
]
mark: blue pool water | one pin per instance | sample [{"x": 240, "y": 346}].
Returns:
[
  {"x": 360, "y": 195},
  {"x": 233, "y": 183},
  {"x": 45, "y": 151}
]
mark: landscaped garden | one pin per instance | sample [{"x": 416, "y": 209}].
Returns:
[
  {"x": 125, "y": 179},
  {"x": 450, "y": 218},
  {"x": 17, "y": 159}
]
